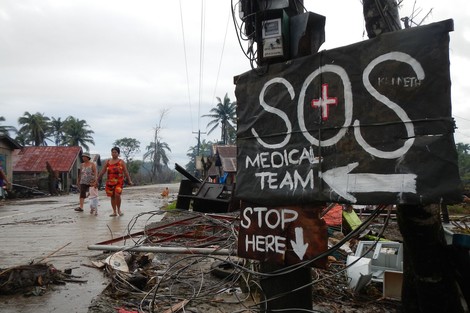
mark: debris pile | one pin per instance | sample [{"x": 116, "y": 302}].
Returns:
[
  {"x": 161, "y": 282},
  {"x": 32, "y": 279}
]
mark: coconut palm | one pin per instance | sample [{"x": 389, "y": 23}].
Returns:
[
  {"x": 34, "y": 128},
  {"x": 223, "y": 115},
  {"x": 76, "y": 133},
  {"x": 5, "y": 130},
  {"x": 156, "y": 152},
  {"x": 57, "y": 130}
]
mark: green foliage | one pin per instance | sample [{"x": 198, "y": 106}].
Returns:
[
  {"x": 133, "y": 166},
  {"x": 57, "y": 130},
  {"x": 4, "y": 129},
  {"x": 200, "y": 149},
  {"x": 459, "y": 209},
  {"x": 225, "y": 116},
  {"x": 464, "y": 163},
  {"x": 129, "y": 147},
  {"x": 170, "y": 206},
  {"x": 34, "y": 128},
  {"x": 76, "y": 133}
]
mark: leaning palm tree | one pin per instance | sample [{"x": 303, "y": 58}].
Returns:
[
  {"x": 223, "y": 115},
  {"x": 5, "y": 130},
  {"x": 76, "y": 133},
  {"x": 34, "y": 128}
]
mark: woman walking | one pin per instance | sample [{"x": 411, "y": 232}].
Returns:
[
  {"x": 116, "y": 171},
  {"x": 86, "y": 177}
]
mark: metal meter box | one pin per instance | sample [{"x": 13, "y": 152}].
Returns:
[{"x": 273, "y": 36}]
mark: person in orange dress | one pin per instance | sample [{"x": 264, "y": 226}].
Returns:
[
  {"x": 165, "y": 192},
  {"x": 116, "y": 170}
]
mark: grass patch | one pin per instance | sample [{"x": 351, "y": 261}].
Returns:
[
  {"x": 169, "y": 206},
  {"x": 459, "y": 209}
]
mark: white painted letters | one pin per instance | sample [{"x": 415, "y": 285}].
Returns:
[{"x": 272, "y": 219}]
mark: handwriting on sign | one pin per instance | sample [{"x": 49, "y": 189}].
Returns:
[
  {"x": 276, "y": 156},
  {"x": 259, "y": 217}
]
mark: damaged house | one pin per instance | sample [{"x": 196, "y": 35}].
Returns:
[{"x": 39, "y": 167}]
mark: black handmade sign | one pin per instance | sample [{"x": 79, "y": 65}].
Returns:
[
  {"x": 367, "y": 123},
  {"x": 283, "y": 235}
]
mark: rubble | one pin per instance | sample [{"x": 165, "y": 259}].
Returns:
[
  {"x": 160, "y": 282},
  {"x": 33, "y": 279}
]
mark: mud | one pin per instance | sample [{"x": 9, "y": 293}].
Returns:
[{"x": 48, "y": 229}]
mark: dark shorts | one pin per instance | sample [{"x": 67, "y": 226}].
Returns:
[{"x": 83, "y": 190}]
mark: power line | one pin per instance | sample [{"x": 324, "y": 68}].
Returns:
[
  {"x": 201, "y": 61},
  {"x": 221, "y": 57},
  {"x": 186, "y": 65}
]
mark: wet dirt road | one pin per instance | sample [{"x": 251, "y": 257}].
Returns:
[{"x": 33, "y": 229}]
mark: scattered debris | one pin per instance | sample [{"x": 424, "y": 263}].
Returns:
[
  {"x": 32, "y": 279},
  {"x": 172, "y": 282}
]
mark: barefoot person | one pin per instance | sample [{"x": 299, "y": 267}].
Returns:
[
  {"x": 116, "y": 171},
  {"x": 86, "y": 176},
  {"x": 93, "y": 194}
]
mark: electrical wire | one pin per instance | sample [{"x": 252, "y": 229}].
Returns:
[
  {"x": 185, "y": 277},
  {"x": 201, "y": 60},
  {"x": 186, "y": 66},
  {"x": 221, "y": 58}
]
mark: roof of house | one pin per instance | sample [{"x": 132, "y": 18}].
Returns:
[
  {"x": 96, "y": 158},
  {"x": 33, "y": 159},
  {"x": 227, "y": 157},
  {"x": 13, "y": 144}
]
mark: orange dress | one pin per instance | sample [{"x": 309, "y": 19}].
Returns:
[{"x": 115, "y": 180}]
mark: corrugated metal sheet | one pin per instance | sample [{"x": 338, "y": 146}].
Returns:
[
  {"x": 228, "y": 157},
  {"x": 33, "y": 159}
]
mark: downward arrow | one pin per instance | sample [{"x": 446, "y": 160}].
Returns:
[
  {"x": 343, "y": 183},
  {"x": 298, "y": 245}
]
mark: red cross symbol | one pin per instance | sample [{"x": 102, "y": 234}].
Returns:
[{"x": 324, "y": 102}]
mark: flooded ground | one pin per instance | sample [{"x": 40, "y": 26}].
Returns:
[{"x": 49, "y": 229}]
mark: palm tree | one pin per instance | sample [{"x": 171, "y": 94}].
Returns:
[
  {"x": 34, "y": 129},
  {"x": 157, "y": 154},
  {"x": 462, "y": 148},
  {"x": 224, "y": 114},
  {"x": 156, "y": 149},
  {"x": 76, "y": 133},
  {"x": 5, "y": 130},
  {"x": 57, "y": 130}
]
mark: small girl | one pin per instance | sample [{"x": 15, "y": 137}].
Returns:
[{"x": 93, "y": 196}]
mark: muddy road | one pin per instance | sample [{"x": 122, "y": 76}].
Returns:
[{"x": 49, "y": 229}]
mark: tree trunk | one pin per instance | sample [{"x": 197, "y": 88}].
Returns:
[{"x": 429, "y": 282}]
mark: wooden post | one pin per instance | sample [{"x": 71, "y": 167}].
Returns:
[{"x": 280, "y": 290}]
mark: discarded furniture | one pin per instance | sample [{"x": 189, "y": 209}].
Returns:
[
  {"x": 204, "y": 196},
  {"x": 385, "y": 256}
]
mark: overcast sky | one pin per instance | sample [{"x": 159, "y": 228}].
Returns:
[{"x": 119, "y": 63}]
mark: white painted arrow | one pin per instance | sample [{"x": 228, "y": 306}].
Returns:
[
  {"x": 298, "y": 245},
  {"x": 343, "y": 183}
]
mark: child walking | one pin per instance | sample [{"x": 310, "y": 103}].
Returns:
[{"x": 93, "y": 197}]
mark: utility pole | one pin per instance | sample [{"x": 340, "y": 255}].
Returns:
[
  {"x": 198, "y": 151},
  {"x": 198, "y": 141},
  {"x": 282, "y": 31}
]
